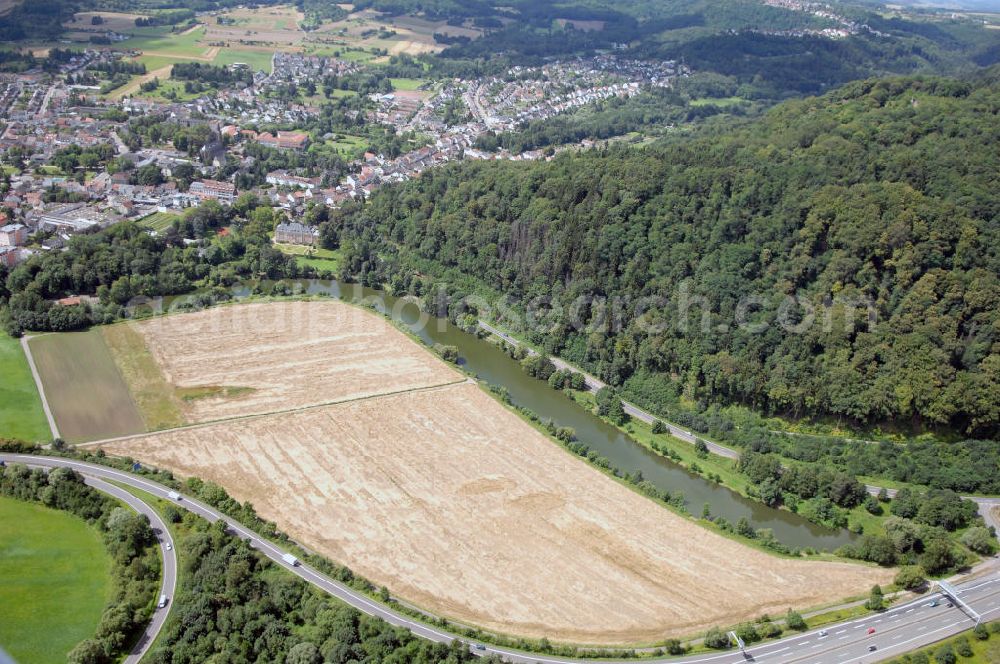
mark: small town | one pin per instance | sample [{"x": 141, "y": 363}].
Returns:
[
  {"x": 48, "y": 117},
  {"x": 461, "y": 332}
]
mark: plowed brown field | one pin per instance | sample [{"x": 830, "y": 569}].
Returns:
[
  {"x": 284, "y": 355},
  {"x": 451, "y": 500}
]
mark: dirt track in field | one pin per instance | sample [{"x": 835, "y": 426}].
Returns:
[
  {"x": 290, "y": 355},
  {"x": 458, "y": 505}
]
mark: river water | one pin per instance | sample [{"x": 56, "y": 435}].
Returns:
[{"x": 491, "y": 364}]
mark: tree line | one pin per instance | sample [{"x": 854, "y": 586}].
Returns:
[{"x": 845, "y": 202}]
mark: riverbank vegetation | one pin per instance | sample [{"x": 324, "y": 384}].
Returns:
[
  {"x": 821, "y": 201},
  {"x": 932, "y": 532}
]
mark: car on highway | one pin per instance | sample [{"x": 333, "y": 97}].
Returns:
[
  {"x": 480, "y": 646},
  {"x": 169, "y": 546},
  {"x": 934, "y": 603},
  {"x": 823, "y": 632},
  {"x": 872, "y": 648},
  {"x": 871, "y": 630},
  {"x": 163, "y": 601}
]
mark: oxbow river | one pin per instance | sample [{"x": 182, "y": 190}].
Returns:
[{"x": 492, "y": 365}]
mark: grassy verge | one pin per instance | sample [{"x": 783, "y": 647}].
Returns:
[
  {"x": 680, "y": 452},
  {"x": 155, "y": 398},
  {"x": 980, "y": 651},
  {"x": 75, "y": 368},
  {"x": 56, "y": 581},
  {"x": 21, "y": 414}
]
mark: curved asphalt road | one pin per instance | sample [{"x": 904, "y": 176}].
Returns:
[
  {"x": 898, "y": 630},
  {"x": 168, "y": 584}
]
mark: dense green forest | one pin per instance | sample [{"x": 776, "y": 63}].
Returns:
[
  {"x": 837, "y": 257},
  {"x": 236, "y": 606}
]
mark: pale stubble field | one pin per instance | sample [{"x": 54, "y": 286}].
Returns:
[{"x": 451, "y": 500}]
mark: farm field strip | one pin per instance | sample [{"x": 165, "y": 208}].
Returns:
[
  {"x": 86, "y": 392},
  {"x": 287, "y": 355}
]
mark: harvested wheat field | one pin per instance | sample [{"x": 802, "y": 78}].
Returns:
[
  {"x": 455, "y": 503},
  {"x": 260, "y": 358}
]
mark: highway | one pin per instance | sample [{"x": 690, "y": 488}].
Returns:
[
  {"x": 897, "y": 630},
  {"x": 168, "y": 555},
  {"x": 168, "y": 584}
]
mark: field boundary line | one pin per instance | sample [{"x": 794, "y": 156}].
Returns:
[
  {"x": 286, "y": 411},
  {"x": 53, "y": 427}
]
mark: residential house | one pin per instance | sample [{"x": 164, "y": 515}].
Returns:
[
  {"x": 8, "y": 256},
  {"x": 285, "y": 140},
  {"x": 285, "y": 179},
  {"x": 295, "y": 233},
  {"x": 224, "y": 192},
  {"x": 13, "y": 235}
]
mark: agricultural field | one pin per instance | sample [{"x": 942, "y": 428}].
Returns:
[
  {"x": 420, "y": 481},
  {"x": 21, "y": 414},
  {"x": 261, "y": 358},
  {"x": 159, "y": 221},
  {"x": 458, "y": 505},
  {"x": 110, "y": 21},
  {"x": 368, "y": 29},
  {"x": 85, "y": 390},
  {"x": 56, "y": 579},
  {"x": 271, "y": 27},
  {"x": 177, "y": 46}
]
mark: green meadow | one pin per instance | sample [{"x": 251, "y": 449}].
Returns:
[
  {"x": 56, "y": 580},
  {"x": 21, "y": 414}
]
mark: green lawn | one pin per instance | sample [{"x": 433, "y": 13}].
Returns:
[
  {"x": 182, "y": 46},
  {"x": 407, "y": 83},
  {"x": 154, "y": 62},
  {"x": 177, "y": 87},
  {"x": 21, "y": 414},
  {"x": 983, "y": 652},
  {"x": 321, "y": 259},
  {"x": 349, "y": 144},
  {"x": 257, "y": 60},
  {"x": 56, "y": 580},
  {"x": 159, "y": 221},
  {"x": 354, "y": 55}
]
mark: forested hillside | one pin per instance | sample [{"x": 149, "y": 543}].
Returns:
[{"x": 879, "y": 200}]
